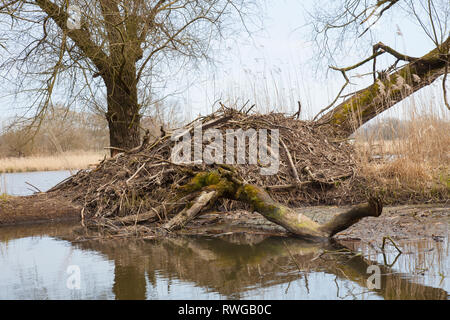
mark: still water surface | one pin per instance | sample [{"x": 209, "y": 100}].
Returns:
[
  {"x": 16, "y": 183},
  {"x": 35, "y": 260}
]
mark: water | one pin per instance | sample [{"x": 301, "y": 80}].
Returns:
[
  {"x": 42, "y": 262},
  {"x": 35, "y": 260},
  {"x": 16, "y": 183}
]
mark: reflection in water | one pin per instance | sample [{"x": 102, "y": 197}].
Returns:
[{"x": 33, "y": 263}]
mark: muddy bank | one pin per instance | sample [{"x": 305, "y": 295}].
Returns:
[
  {"x": 399, "y": 222},
  {"x": 38, "y": 208}
]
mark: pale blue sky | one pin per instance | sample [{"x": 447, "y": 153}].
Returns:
[{"x": 278, "y": 62}]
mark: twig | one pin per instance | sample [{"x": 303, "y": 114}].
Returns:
[
  {"x": 291, "y": 162},
  {"x": 292, "y": 257},
  {"x": 392, "y": 241},
  {"x": 33, "y": 187},
  {"x": 135, "y": 174},
  {"x": 444, "y": 87},
  {"x": 286, "y": 186},
  {"x": 115, "y": 148},
  {"x": 297, "y": 114}
]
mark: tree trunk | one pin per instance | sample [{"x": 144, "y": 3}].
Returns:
[
  {"x": 222, "y": 183},
  {"x": 123, "y": 113},
  {"x": 387, "y": 91}
]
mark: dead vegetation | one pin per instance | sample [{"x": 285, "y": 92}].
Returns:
[
  {"x": 136, "y": 188},
  {"x": 71, "y": 160},
  {"x": 409, "y": 161}
]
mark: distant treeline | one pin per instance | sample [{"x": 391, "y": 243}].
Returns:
[{"x": 62, "y": 130}]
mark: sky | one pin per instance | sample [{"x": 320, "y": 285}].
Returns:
[{"x": 274, "y": 68}]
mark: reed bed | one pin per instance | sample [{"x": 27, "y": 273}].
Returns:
[
  {"x": 414, "y": 166},
  {"x": 61, "y": 161}
]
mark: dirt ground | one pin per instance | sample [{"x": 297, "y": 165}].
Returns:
[
  {"x": 38, "y": 208},
  {"x": 398, "y": 222}
]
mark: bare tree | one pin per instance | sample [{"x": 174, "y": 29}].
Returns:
[
  {"x": 112, "y": 47},
  {"x": 348, "y": 24}
]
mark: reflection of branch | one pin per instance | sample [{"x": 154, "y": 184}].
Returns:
[
  {"x": 392, "y": 241},
  {"x": 395, "y": 260}
]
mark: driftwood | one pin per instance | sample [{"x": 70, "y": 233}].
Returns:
[{"x": 189, "y": 213}]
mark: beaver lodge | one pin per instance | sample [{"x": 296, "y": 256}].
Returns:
[{"x": 142, "y": 192}]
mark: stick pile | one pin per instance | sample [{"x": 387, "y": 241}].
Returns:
[{"x": 141, "y": 187}]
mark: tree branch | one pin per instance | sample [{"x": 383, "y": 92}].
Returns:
[
  {"x": 81, "y": 37},
  {"x": 387, "y": 90}
]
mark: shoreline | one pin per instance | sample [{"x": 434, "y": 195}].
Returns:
[
  {"x": 73, "y": 160},
  {"x": 399, "y": 221}
]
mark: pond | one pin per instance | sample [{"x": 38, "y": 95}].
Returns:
[
  {"x": 47, "y": 262},
  {"x": 41, "y": 262},
  {"x": 25, "y": 183}
]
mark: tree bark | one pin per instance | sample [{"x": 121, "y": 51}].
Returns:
[
  {"x": 300, "y": 225},
  {"x": 123, "y": 112},
  {"x": 347, "y": 117}
]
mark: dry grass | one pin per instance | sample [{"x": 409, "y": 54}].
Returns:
[
  {"x": 61, "y": 161},
  {"x": 415, "y": 167}
]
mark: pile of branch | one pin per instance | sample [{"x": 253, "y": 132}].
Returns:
[{"x": 142, "y": 190}]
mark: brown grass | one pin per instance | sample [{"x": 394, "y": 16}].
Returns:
[
  {"x": 414, "y": 167},
  {"x": 62, "y": 161}
]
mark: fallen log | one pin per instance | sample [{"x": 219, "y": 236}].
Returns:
[
  {"x": 143, "y": 193},
  {"x": 225, "y": 184}
]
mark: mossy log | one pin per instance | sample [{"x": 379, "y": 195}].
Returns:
[{"x": 222, "y": 183}]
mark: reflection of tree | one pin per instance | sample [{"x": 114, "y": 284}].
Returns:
[
  {"x": 231, "y": 268},
  {"x": 129, "y": 282}
]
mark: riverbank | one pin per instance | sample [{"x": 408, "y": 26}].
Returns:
[
  {"x": 410, "y": 222},
  {"x": 35, "y": 209},
  {"x": 401, "y": 222},
  {"x": 72, "y": 160}
]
